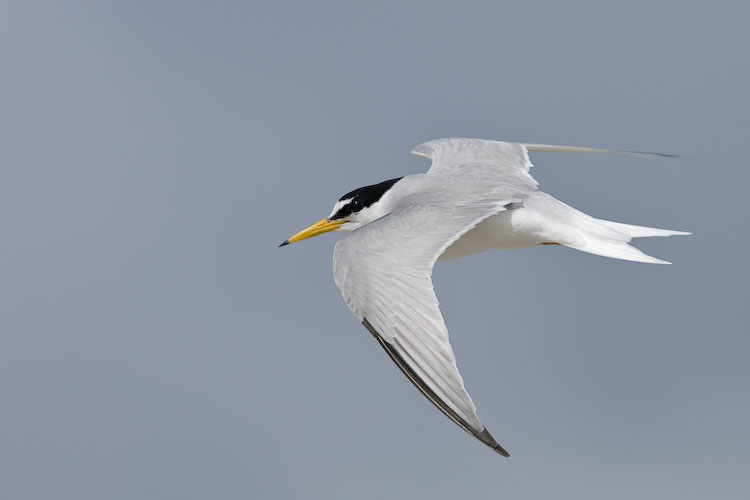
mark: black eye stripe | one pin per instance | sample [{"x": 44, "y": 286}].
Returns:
[{"x": 363, "y": 197}]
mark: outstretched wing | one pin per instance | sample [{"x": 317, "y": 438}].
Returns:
[
  {"x": 384, "y": 271},
  {"x": 496, "y": 162}
]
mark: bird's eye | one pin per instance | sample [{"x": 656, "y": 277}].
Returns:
[{"x": 356, "y": 204}]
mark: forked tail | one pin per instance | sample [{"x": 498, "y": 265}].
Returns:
[{"x": 610, "y": 239}]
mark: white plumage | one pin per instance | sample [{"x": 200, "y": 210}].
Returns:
[{"x": 477, "y": 195}]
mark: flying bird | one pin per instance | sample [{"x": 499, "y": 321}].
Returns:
[{"x": 477, "y": 195}]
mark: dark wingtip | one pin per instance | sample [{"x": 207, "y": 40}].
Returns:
[
  {"x": 487, "y": 439},
  {"x": 648, "y": 153},
  {"x": 483, "y": 435},
  {"x": 284, "y": 243},
  {"x": 502, "y": 451}
]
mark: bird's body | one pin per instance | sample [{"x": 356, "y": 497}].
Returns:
[
  {"x": 543, "y": 220},
  {"x": 478, "y": 195}
]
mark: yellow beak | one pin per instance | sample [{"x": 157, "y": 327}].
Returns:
[{"x": 320, "y": 227}]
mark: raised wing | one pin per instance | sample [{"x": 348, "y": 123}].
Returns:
[
  {"x": 384, "y": 271},
  {"x": 496, "y": 162},
  {"x": 493, "y": 162}
]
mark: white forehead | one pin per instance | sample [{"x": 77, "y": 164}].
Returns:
[{"x": 338, "y": 206}]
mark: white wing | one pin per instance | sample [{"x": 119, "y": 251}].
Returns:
[
  {"x": 501, "y": 163},
  {"x": 494, "y": 162},
  {"x": 384, "y": 271}
]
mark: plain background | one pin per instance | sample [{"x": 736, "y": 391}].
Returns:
[{"x": 156, "y": 344}]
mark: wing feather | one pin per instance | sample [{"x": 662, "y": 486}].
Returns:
[
  {"x": 493, "y": 162},
  {"x": 554, "y": 148},
  {"x": 484, "y": 436},
  {"x": 505, "y": 163},
  {"x": 384, "y": 271}
]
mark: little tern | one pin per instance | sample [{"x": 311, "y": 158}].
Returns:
[{"x": 477, "y": 195}]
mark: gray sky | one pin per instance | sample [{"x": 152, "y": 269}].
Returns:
[{"x": 156, "y": 344}]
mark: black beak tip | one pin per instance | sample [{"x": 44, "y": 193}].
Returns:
[{"x": 284, "y": 243}]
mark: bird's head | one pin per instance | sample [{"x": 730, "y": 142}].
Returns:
[{"x": 354, "y": 209}]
